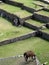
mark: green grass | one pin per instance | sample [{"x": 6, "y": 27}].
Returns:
[
  {"x": 7, "y": 30},
  {"x": 45, "y": 30},
  {"x": 42, "y": 12},
  {"x": 15, "y": 10},
  {"x": 23, "y": 14},
  {"x": 28, "y": 3},
  {"x": 31, "y": 5},
  {"x": 40, "y": 3},
  {"x": 9, "y": 8},
  {"x": 23, "y": 1},
  {"x": 38, "y": 45},
  {"x": 48, "y": 6},
  {"x": 34, "y": 22}
]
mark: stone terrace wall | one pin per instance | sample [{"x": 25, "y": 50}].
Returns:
[
  {"x": 15, "y": 20},
  {"x": 38, "y": 4},
  {"x": 26, "y": 18},
  {"x": 32, "y": 34},
  {"x": 46, "y": 9},
  {"x": 13, "y": 3},
  {"x": 21, "y": 20},
  {"x": 42, "y": 18},
  {"x": 21, "y": 5},
  {"x": 43, "y": 35},
  {"x": 11, "y": 17},
  {"x": 28, "y": 9},
  {"x": 47, "y": 25},
  {"x": 30, "y": 26},
  {"x": 44, "y": 1}
]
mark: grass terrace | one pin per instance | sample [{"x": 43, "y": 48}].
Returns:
[
  {"x": 7, "y": 30},
  {"x": 23, "y": 14},
  {"x": 9, "y": 8},
  {"x": 47, "y": 7},
  {"x": 23, "y": 1},
  {"x": 40, "y": 3},
  {"x": 15, "y": 10},
  {"x": 28, "y": 3},
  {"x": 34, "y": 22},
  {"x": 42, "y": 12},
  {"x": 46, "y": 30},
  {"x": 36, "y": 7},
  {"x": 38, "y": 45}
]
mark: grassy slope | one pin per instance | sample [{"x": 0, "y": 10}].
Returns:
[
  {"x": 42, "y": 12},
  {"x": 34, "y": 22},
  {"x": 46, "y": 30},
  {"x": 39, "y": 46},
  {"x": 7, "y": 30}
]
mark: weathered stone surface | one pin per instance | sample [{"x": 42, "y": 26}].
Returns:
[
  {"x": 18, "y": 60},
  {"x": 43, "y": 35},
  {"x": 11, "y": 17},
  {"x": 42, "y": 18}
]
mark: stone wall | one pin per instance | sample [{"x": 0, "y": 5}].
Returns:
[
  {"x": 28, "y": 9},
  {"x": 40, "y": 17},
  {"x": 43, "y": 35},
  {"x": 21, "y": 20},
  {"x": 14, "y": 19},
  {"x": 47, "y": 25},
  {"x": 31, "y": 34},
  {"x": 26, "y": 18},
  {"x": 46, "y": 9},
  {"x": 3, "y": 0},
  {"x": 21, "y": 5},
  {"x": 11, "y": 17},
  {"x": 44, "y": 1},
  {"x": 14, "y": 3},
  {"x": 30, "y": 26}
]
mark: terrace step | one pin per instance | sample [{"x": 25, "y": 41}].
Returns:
[
  {"x": 18, "y": 60},
  {"x": 34, "y": 24}
]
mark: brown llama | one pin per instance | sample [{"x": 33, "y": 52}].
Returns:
[{"x": 29, "y": 54}]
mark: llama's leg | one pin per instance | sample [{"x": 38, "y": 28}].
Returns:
[
  {"x": 33, "y": 57},
  {"x": 26, "y": 58}
]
